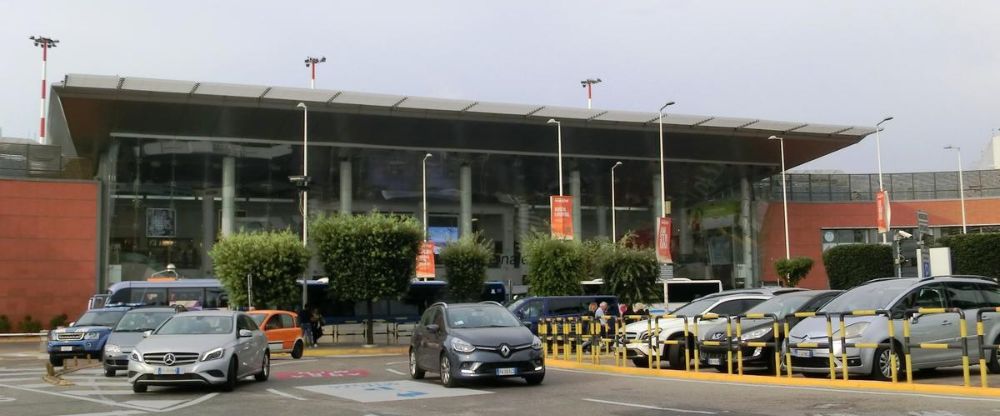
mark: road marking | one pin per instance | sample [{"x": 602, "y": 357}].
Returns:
[
  {"x": 397, "y": 362},
  {"x": 6, "y": 399},
  {"x": 933, "y": 413},
  {"x": 22, "y": 373},
  {"x": 285, "y": 394},
  {"x": 89, "y": 399},
  {"x": 11, "y": 380},
  {"x": 111, "y": 413},
  {"x": 155, "y": 404},
  {"x": 274, "y": 364},
  {"x": 395, "y": 371},
  {"x": 389, "y": 391},
  {"x": 192, "y": 402},
  {"x": 98, "y": 392},
  {"x": 642, "y": 406},
  {"x": 772, "y": 386}
]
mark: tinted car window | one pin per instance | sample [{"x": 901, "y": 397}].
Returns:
[
  {"x": 964, "y": 295},
  {"x": 427, "y": 318},
  {"x": 532, "y": 310},
  {"x": 930, "y": 296},
  {"x": 287, "y": 321},
  {"x": 139, "y": 321},
  {"x": 273, "y": 323},
  {"x": 991, "y": 294},
  {"x": 730, "y": 307},
  {"x": 100, "y": 318},
  {"x": 480, "y": 316},
  {"x": 567, "y": 306}
]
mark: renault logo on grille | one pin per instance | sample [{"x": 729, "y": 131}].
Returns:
[
  {"x": 505, "y": 350},
  {"x": 169, "y": 359}
]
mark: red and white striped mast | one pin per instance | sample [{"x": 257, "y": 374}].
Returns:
[
  {"x": 311, "y": 63},
  {"x": 589, "y": 85},
  {"x": 45, "y": 43}
]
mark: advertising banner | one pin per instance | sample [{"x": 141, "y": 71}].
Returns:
[
  {"x": 884, "y": 213},
  {"x": 425, "y": 260},
  {"x": 561, "y": 217},
  {"x": 663, "y": 231}
]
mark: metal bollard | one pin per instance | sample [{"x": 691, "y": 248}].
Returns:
[{"x": 963, "y": 333}]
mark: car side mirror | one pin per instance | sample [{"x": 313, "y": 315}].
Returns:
[
  {"x": 245, "y": 333},
  {"x": 526, "y": 323},
  {"x": 915, "y": 319},
  {"x": 72, "y": 323},
  {"x": 146, "y": 334},
  {"x": 433, "y": 328}
]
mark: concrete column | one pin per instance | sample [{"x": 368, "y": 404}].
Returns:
[
  {"x": 683, "y": 225},
  {"x": 346, "y": 187},
  {"x": 657, "y": 201},
  {"x": 508, "y": 237},
  {"x": 602, "y": 223},
  {"x": 207, "y": 229},
  {"x": 574, "y": 189},
  {"x": 228, "y": 194},
  {"x": 465, "y": 202},
  {"x": 523, "y": 221},
  {"x": 745, "y": 206}
]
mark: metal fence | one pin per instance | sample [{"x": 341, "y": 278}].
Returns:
[
  {"x": 19, "y": 160},
  {"x": 901, "y": 186}
]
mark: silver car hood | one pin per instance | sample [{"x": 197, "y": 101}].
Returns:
[
  {"x": 125, "y": 339},
  {"x": 200, "y": 343},
  {"x": 815, "y": 327}
]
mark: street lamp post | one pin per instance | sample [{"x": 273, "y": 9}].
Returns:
[
  {"x": 663, "y": 194},
  {"x": 961, "y": 184},
  {"x": 784, "y": 193},
  {"x": 614, "y": 231},
  {"x": 589, "y": 85},
  {"x": 45, "y": 43},
  {"x": 424, "y": 181},
  {"x": 559, "y": 143},
  {"x": 878, "y": 158},
  {"x": 305, "y": 192},
  {"x": 311, "y": 63}
]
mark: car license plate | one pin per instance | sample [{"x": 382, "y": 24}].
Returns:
[
  {"x": 65, "y": 348},
  {"x": 802, "y": 353},
  {"x": 714, "y": 361},
  {"x": 506, "y": 371},
  {"x": 169, "y": 370}
]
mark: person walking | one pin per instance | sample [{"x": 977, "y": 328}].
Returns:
[
  {"x": 306, "y": 326},
  {"x": 316, "y": 325}
]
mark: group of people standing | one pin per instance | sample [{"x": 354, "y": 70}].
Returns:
[{"x": 312, "y": 326}]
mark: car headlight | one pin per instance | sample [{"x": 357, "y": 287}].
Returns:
[
  {"x": 852, "y": 331},
  {"x": 460, "y": 345},
  {"x": 213, "y": 354},
  {"x": 757, "y": 333},
  {"x": 135, "y": 356},
  {"x": 53, "y": 335},
  {"x": 536, "y": 343},
  {"x": 92, "y": 335},
  {"x": 112, "y": 349}
]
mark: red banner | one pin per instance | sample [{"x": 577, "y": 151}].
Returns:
[
  {"x": 884, "y": 213},
  {"x": 663, "y": 232},
  {"x": 561, "y": 217},
  {"x": 425, "y": 260}
]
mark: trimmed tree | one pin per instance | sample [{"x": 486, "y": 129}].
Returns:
[
  {"x": 977, "y": 254},
  {"x": 555, "y": 267},
  {"x": 274, "y": 260},
  {"x": 367, "y": 257},
  {"x": 630, "y": 274},
  {"x": 791, "y": 271},
  {"x": 465, "y": 262},
  {"x": 849, "y": 265}
]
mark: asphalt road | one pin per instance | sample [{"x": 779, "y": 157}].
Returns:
[{"x": 379, "y": 386}]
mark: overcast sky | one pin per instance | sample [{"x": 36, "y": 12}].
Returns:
[{"x": 933, "y": 65}]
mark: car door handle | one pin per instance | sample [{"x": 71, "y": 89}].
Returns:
[{"x": 945, "y": 322}]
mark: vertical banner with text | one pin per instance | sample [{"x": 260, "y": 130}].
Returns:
[
  {"x": 663, "y": 231},
  {"x": 425, "y": 260},
  {"x": 884, "y": 212},
  {"x": 561, "y": 217}
]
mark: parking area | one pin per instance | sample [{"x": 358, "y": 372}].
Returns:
[{"x": 380, "y": 385}]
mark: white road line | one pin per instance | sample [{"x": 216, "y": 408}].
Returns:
[
  {"x": 191, "y": 403},
  {"x": 22, "y": 373},
  {"x": 111, "y": 413},
  {"x": 89, "y": 399},
  {"x": 285, "y": 394},
  {"x": 11, "y": 380},
  {"x": 397, "y": 362},
  {"x": 772, "y": 386},
  {"x": 274, "y": 364},
  {"x": 642, "y": 406},
  {"x": 98, "y": 392},
  {"x": 395, "y": 371}
]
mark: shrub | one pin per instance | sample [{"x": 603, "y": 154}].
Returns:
[
  {"x": 58, "y": 321},
  {"x": 792, "y": 270},
  {"x": 465, "y": 263},
  {"x": 852, "y": 264},
  {"x": 974, "y": 253},
  {"x": 5, "y": 324},
  {"x": 30, "y": 325},
  {"x": 274, "y": 260},
  {"x": 367, "y": 257},
  {"x": 555, "y": 267},
  {"x": 631, "y": 274}
]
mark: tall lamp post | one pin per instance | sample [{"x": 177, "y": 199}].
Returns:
[
  {"x": 311, "y": 63},
  {"x": 614, "y": 231},
  {"x": 663, "y": 187},
  {"x": 45, "y": 43},
  {"x": 961, "y": 184},
  {"x": 424, "y": 181},
  {"x": 302, "y": 183},
  {"x": 589, "y": 85},
  {"x": 784, "y": 192},
  {"x": 559, "y": 144},
  {"x": 878, "y": 158}
]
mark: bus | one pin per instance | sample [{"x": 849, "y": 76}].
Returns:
[{"x": 196, "y": 294}]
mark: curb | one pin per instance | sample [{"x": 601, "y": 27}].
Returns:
[
  {"x": 865, "y": 385},
  {"x": 347, "y": 351}
]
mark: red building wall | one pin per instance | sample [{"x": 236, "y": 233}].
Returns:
[
  {"x": 48, "y": 248},
  {"x": 807, "y": 219}
]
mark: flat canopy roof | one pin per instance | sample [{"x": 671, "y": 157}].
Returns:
[{"x": 91, "y": 109}]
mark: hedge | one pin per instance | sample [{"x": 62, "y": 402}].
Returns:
[
  {"x": 791, "y": 271},
  {"x": 631, "y": 274},
  {"x": 274, "y": 260},
  {"x": 465, "y": 262},
  {"x": 849, "y": 265},
  {"x": 555, "y": 267},
  {"x": 977, "y": 254}
]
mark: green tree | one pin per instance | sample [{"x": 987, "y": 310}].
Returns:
[
  {"x": 791, "y": 271},
  {"x": 977, "y": 254},
  {"x": 555, "y": 267},
  {"x": 849, "y": 265},
  {"x": 367, "y": 257},
  {"x": 465, "y": 263},
  {"x": 631, "y": 274},
  {"x": 274, "y": 260}
]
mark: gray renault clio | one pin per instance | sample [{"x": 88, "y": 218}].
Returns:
[{"x": 469, "y": 341}]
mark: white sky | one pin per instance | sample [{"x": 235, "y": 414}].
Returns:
[{"x": 933, "y": 65}]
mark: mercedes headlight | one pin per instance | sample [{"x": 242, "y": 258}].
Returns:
[
  {"x": 536, "y": 343},
  {"x": 460, "y": 345},
  {"x": 213, "y": 354},
  {"x": 135, "y": 356},
  {"x": 92, "y": 335},
  {"x": 852, "y": 331},
  {"x": 112, "y": 349},
  {"x": 757, "y": 333}
]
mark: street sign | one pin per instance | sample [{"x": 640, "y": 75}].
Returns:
[{"x": 923, "y": 224}]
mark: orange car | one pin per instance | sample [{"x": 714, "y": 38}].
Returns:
[{"x": 282, "y": 330}]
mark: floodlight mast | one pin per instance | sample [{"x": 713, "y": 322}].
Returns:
[
  {"x": 45, "y": 43},
  {"x": 589, "y": 84},
  {"x": 311, "y": 63}
]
